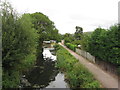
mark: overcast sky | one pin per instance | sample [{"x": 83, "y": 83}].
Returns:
[{"x": 66, "y": 14}]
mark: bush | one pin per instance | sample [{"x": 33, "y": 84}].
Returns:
[
  {"x": 85, "y": 41},
  {"x": 18, "y": 45},
  {"x": 71, "y": 46},
  {"x": 56, "y": 46},
  {"x": 11, "y": 79},
  {"x": 77, "y": 75},
  {"x": 76, "y": 42},
  {"x": 104, "y": 44}
]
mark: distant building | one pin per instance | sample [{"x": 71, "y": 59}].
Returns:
[
  {"x": 52, "y": 41},
  {"x": 62, "y": 41},
  {"x": 48, "y": 44}
]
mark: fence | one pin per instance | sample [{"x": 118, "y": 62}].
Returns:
[
  {"x": 107, "y": 66},
  {"x": 102, "y": 64},
  {"x": 86, "y": 55}
]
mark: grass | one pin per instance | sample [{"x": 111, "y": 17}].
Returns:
[{"x": 76, "y": 74}]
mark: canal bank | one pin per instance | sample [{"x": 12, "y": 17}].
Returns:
[
  {"x": 77, "y": 75},
  {"x": 45, "y": 74}
]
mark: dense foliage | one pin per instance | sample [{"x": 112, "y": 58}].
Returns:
[
  {"x": 85, "y": 40},
  {"x": 76, "y": 74},
  {"x": 78, "y": 33},
  {"x": 45, "y": 29},
  {"x": 74, "y": 38},
  {"x": 71, "y": 46},
  {"x": 68, "y": 38},
  {"x": 22, "y": 39},
  {"x": 105, "y": 44},
  {"x": 18, "y": 45}
]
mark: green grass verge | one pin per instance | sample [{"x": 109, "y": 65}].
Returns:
[{"x": 77, "y": 75}]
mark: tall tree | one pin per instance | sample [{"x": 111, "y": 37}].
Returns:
[
  {"x": 68, "y": 37},
  {"x": 45, "y": 28},
  {"x": 18, "y": 42},
  {"x": 105, "y": 45},
  {"x": 78, "y": 33}
]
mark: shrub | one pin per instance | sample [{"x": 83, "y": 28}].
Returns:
[
  {"x": 56, "y": 46},
  {"x": 104, "y": 44},
  {"x": 76, "y": 42},
  {"x": 18, "y": 45},
  {"x": 71, "y": 46},
  {"x": 77, "y": 75}
]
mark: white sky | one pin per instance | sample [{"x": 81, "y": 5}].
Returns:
[{"x": 66, "y": 14}]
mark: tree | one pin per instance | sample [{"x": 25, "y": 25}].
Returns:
[
  {"x": 85, "y": 41},
  {"x": 44, "y": 26},
  {"x": 55, "y": 35},
  {"x": 105, "y": 45},
  {"x": 78, "y": 33},
  {"x": 68, "y": 37},
  {"x": 95, "y": 41},
  {"x": 18, "y": 42},
  {"x": 45, "y": 29}
]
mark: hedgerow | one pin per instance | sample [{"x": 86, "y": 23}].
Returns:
[
  {"x": 105, "y": 44},
  {"x": 71, "y": 46}
]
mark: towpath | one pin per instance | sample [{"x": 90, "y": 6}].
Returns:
[{"x": 107, "y": 80}]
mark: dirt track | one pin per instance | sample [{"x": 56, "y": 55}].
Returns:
[{"x": 107, "y": 80}]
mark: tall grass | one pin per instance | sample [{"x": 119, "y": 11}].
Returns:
[{"x": 76, "y": 74}]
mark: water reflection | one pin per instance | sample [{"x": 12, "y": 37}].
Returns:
[
  {"x": 59, "y": 82},
  {"x": 44, "y": 75},
  {"x": 41, "y": 75}
]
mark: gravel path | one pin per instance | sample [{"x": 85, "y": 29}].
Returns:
[{"x": 105, "y": 79}]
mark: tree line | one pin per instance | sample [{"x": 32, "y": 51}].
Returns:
[
  {"x": 102, "y": 43},
  {"x": 22, "y": 37}
]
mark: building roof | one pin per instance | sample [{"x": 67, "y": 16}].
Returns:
[{"x": 46, "y": 42}]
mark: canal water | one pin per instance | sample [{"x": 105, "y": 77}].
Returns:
[{"x": 44, "y": 75}]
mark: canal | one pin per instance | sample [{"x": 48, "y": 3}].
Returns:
[{"x": 45, "y": 74}]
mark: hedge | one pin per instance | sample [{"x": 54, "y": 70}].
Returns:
[
  {"x": 105, "y": 44},
  {"x": 71, "y": 46}
]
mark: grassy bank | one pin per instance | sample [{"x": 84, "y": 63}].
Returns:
[{"x": 77, "y": 75}]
